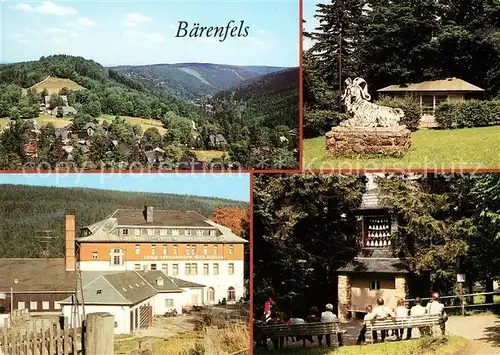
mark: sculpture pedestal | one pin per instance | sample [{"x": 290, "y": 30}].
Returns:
[{"x": 390, "y": 141}]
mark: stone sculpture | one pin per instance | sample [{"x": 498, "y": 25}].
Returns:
[
  {"x": 370, "y": 128},
  {"x": 366, "y": 114}
]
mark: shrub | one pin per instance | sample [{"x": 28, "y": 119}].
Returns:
[
  {"x": 410, "y": 106},
  {"x": 318, "y": 122},
  {"x": 472, "y": 113}
]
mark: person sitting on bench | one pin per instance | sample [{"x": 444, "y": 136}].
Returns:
[
  {"x": 328, "y": 316},
  {"x": 436, "y": 307},
  {"x": 417, "y": 310},
  {"x": 367, "y": 318},
  {"x": 381, "y": 312}
]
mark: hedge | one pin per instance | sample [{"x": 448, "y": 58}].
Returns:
[
  {"x": 318, "y": 122},
  {"x": 471, "y": 113},
  {"x": 410, "y": 106}
]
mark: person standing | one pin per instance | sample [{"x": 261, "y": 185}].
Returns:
[
  {"x": 267, "y": 309},
  {"x": 436, "y": 307},
  {"x": 417, "y": 310},
  {"x": 367, "y": 318}
]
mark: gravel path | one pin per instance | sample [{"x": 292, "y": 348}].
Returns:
[{"x": 482, "y": 330}]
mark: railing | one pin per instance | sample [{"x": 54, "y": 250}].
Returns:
[{"x": 461, "y": 301}]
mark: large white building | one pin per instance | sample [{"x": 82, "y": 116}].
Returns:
[{"x": 183, "y": 245}]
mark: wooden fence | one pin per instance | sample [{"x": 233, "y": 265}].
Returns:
[{"x": 50, "y": 338}]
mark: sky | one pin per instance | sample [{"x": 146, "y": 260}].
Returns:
[
  {"x": 309, "y": 10},
  {"x": 143, "y": 32},
  {"x": 231, "y": 186}
]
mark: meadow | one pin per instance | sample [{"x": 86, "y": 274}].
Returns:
[{"x": 432, "y": 149}]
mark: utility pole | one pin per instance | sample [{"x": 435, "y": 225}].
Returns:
[{"x": 45, "y": 236}]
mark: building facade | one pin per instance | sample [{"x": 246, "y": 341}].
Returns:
[
  {"x": 183, "y": 245},
  {"x": 375, "y": 272},
  {"x": 432, "y": 93}
]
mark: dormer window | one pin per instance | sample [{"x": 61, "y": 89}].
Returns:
[
  {"x": 124, "y": 231},
  {"x": 199, "y": 233},
  {"x": 211, "y": 233},
  {"x": 187, "y": 232},
  {"x": 175, "y": 232},
  {"x": 159, "y": 281}
]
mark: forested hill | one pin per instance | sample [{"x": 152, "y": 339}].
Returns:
[
  {"x": 108, "y": 91},
  {"x": 274, "y": 97},
  {"x": 193, "y": 80},
  {"x": 27, "y": 210}
]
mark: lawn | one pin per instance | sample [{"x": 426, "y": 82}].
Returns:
[
  {"x": 145, "y": 123},
  {"x": 467, "y": 148},
  {"x": 42, "y": 120},
  {"x": 207, "y": 155},
  {"x": 54, "y": 85},
  {"x": 423, "y": 346}
]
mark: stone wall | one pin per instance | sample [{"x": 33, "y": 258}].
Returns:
[
  {"x": 401, "y": 284},
  {"x": 344, "y": 296},
  {"x": 347, "y": 141}
]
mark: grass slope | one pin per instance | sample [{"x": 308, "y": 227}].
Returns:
[
  {"x": 55, "y": 84},
  {"x": 424, "y": 346},
  {"x": 193, "y": 80},
  {"x": 468, "y": 148},
  {"x": 25, "y": 210}
]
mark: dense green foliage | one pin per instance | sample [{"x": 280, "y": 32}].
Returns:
[
  {"x": 472, "y": 113},
  {"x": 27, "y": 210},
  {"x": 410, "y": 106},
  {"x": 305, "y": 229},
  {"x": 258, "y": 118},
  {"x": 398, "y": 42},
  {"x": 193, "y": 80},
  {"x": 301, "y": 236}
]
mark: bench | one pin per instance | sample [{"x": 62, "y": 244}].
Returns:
[
  {"x": 263, "y": 332},
  {"x": 424, "y": 321}
]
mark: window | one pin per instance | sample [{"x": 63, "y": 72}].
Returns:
[
  {"x": 153, "y": 249},
  {"x": 151, "y": 232},
  {"x": 231, "y": 294},
  {"x": 21, "y": 305},
  {"x": 159, "y": 281},
  {"x": 57, "y": 305},
  {"x": 231, "y": 249},
  {"x": 427, "y": 104},
  {"x": 94, "y": 255},
  {"x": 98, "y": 292},
  {"x": 193, "y": 249},
  {"x": 153, "y": 266},
  {"x": 137, "y": 249},
  {"x": 175, "y": 250},
  {"x": 45, "y": 305},
  {"x": 188, "y": 249},
  {"x": 175, "y": 269},
  {"x": 205, "y": 269},
  {"x": 231, "y": 269},
  {"x": 33, "y": 305},
  {"x": 205, "y": 250},
  {"x": 124, "y": 231},
  {"x": 164, "y": 268},
  {"x": 216, "y": 269},
  {"x": 187, "y": 269},
  {"x": 116, "y": 257},
  {"x": 163, "y": 232},
  {"x": 137, "y": 266},
  {"x": 194, "y": 269},
  {"x": 137, "y": 232},
  {"x": 187, "y": 232},
  {"x": 165, "y": 250},
  {"x": 169, "y": 303},
  {"x": 216, "y": 249},
  {"x": 374, "y": 285},
  {"x": 199, "y": 233},
  {"x": 440, "y": 99},
  {"x": 211, "y": 233},
  {"x": 211, "y": 294},
  {"x": 175, "y": 232}
]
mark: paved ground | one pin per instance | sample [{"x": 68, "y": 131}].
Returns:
[{"x": 482, "y": 330}]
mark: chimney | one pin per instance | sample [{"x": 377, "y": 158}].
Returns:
[
  {"x": 70, "y": 260},
  {"x": 148, "y": 212}
]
